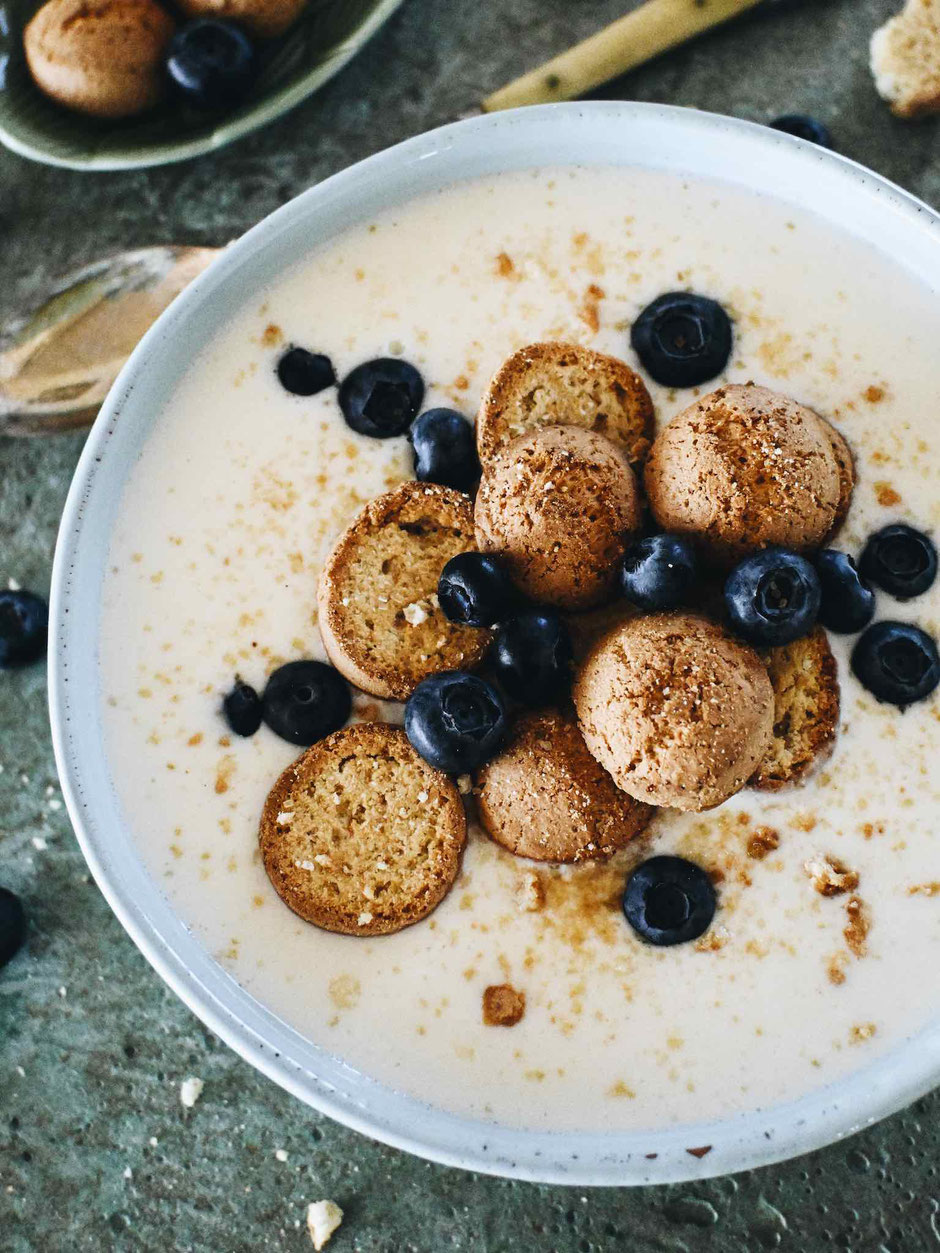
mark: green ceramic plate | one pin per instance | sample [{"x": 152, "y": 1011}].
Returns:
[{"x": 294, "y": 66}]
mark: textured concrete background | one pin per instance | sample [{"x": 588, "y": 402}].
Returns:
[{"x": 95, "y": 1150}]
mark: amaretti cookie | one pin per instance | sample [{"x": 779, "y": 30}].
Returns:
[
  {"x": 905, "y": 59},
  {"x": 846, "y": 466},
  {"x": 378, "y": 613},
  {"x": 745, "y": 467},
  {"x": 552, "y": 384},
  {"x": 264, "y": 19},
  {"x": 104, "y": 58},
  {"x": 559, "y": 506},
  {"x": 806, "y": 710},
  {"x": 547, "y": 798},
  {"x": 676, "y": 710},
  {"x": 360, "y": 835}
]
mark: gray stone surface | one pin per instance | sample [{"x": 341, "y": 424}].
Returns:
[{"x": 95, "y": 1150}]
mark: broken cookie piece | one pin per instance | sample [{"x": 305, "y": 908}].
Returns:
[{"x": 503, "y": 1006}]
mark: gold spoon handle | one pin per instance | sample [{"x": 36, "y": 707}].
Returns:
[
  {"x": 58, "y": 363},
  {"x": 626, "y": 43}
]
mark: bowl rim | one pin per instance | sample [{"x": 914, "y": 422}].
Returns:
[
  {"x": 268, "y": 109},
  {"x": 627, "y": 134}
]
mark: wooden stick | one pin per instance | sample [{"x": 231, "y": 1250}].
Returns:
[{"x": 628, "y": 42}]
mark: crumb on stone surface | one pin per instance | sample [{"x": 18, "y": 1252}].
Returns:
[
  {"x": 323, "y": 1218},
  {"x": 190, "y": 1091},
  {"x": 503, "y": 1006}
]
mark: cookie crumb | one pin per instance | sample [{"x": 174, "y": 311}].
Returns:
[
  {"x": 886, "y": 495},
  {"x": 861, "y": 1032},
  {"x": 530, "y": 893},
  {"x": 190, "y": 1091},
  {"x": 763, "y": 841},
  {"x": 830, "y": 877},
  {"x": 835, "y": 968},
  {"x": 924, "y": 889},
  {"x": 323, "y": 1218},
  {"x": 503, "y": 1006},
  {"x": 505, "y": 267},
  {"x": 858, "y": 926}
]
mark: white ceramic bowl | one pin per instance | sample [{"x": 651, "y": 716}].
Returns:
[{"x": 693, "y": 144}]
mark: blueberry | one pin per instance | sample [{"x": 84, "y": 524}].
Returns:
[
  {"x": 475, "y": 589},
  {"x": 669, "y": 900},
  {"x": 772, "y": 597},
  {"x": 211, "y": 64},
  {"x": 304, "y": 373},
  {"x": 803, "y": 127},
  {"x": 897, "y": 662},
  {"x": 381, "y": 397},
  {"x": 900, "y": 560},
  {"x": 682, "y": 339},
  {"x": 848, "y": 603},
  {"x": 306, "y": 700},
  {"x": 242, "y": 709},
  {"x": 456, "y": 721},
  {"x": 532, "y": 656},
  {"x": 660, "y": 572},
  {"x": 24, "y": 625},
  {"x": 12, "y": 925},
  {"x": 445, "y": 449}
]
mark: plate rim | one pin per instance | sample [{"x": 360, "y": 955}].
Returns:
[{"x": 582, "y": 1159}]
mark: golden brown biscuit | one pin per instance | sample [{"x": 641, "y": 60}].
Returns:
[
  {"x": 905, "y": 59},
  {"x": 264, "y": 19},
  {"x": 846, "y": 464},
  {"x": 360, "y": 835},
  {"x": 559, "y": 506},
  {"x": 680, "y": 713},
  {"x": 547, "y": 798},
  {"x": 806, "y": 710},
  {"x": 553, "y": 384},
  {"x": 378, "y": 613},
  {"x": 744, "y": 468},
  {"x": 100, "y": 57}
]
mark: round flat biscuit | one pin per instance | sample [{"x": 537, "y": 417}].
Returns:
[
  {"x": 377, "y": 597},
  {"x": 554, "y": 384},
  {"x": 360, "y": 835},
  {"x": 547, "y": 798}
]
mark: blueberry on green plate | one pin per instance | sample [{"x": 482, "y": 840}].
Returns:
[
  {"x": 897, "y": 662},
  {"x": 772, "y": 597},
  {"x": 900, "y": 560},
  {"x": 682, "y": 339},
  {"x": 304, "y": 701},
  {"x": 381, "y": 398},
  {"x": 475, "y": 590},
  {"x": 847, "y": 603},
  {"x": 532, "y": 656},
  {"x": 24, "y": 625},
  {"x": 445, "y": 449},
  {"x": 456, "y": 721},
  {"x": 304, "y": 373},
  {"x": 211, "y": 64},
  {"x": 660, "y": 572},
  {"x": 669, "y": 900}
]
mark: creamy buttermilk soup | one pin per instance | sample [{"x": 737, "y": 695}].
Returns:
[{"x": 824, "y": 947}]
